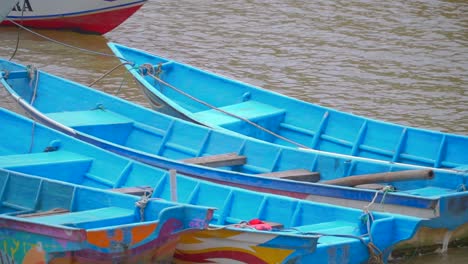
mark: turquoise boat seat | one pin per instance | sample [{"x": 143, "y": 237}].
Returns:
[
  {"x": 332, "y": 227},
  {"x": 430, "y": 191},
  {"x": 95, "y": 218},
  {"x": 251, "y": 110},
  {"x": 42, "y": 158},
  {"x": 89, "y": 118},
  {"x": 101, "y": 123}
]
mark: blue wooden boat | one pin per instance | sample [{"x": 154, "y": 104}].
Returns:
[
  {"x": 248, "y": 227},
  {"x": 219, "y": 102},
  {"x": 163, "y": 141},
  {"x": 47, "y": 221}
]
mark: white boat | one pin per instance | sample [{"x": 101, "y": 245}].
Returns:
[
  {"x": 90, "y": 16},
  {"x": 5, "y": 8}
]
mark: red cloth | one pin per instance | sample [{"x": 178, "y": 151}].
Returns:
[{"x": 260, "y": 225}]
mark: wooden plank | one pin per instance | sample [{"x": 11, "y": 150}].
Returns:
[
  {"x": 45, "y": 213},
  {"x": 394, "y": 176},
  {"x": 274, "y": 225},
  {"x": 296, "y": 175},
  {"x": 221, "y": 160},
  {"x": 137, "y": 190},
  {"x": 370, "y": 186}
]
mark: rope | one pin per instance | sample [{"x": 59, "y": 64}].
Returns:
[
  {"x": 375, "y": 255},
  {"x": 100, "y": 107},
  {"x": 19, "y": 32},
  {"x": 242, "y": 224},
  {"x": 221, "y": 227},
  {"x": 149, "y": 73},
  {"x": 33, "y": 73},
  {"x": 20, "y": 26},
  {"x": 32, "y": 137},
  {"x": 142, "y": 204},
  {"x": 109, "y": 72},
  {"x": 65, "y": 44},
  {"x": 461, "y": 188},
  {"x": 124, "y": 80},
  {"x": 385, "y": 190}
]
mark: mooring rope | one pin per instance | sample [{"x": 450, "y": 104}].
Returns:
[
  {"x": 65, "y": 44},
  {"x": 20, "y": 26},
  {"x": 32, "y": 136},
  {"x": 384, "y": 190},
  {"x": 148, "y": 73},
  {"x": 33, "y": 75},
  {"x": 375, "y": 254},
  {"x": 109, "y": 72},
  {"x": 19, "y": 33},
  {"x": 144, "y": 199}
]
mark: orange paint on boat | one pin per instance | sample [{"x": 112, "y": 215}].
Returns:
[{"x": 139, "y": 233}]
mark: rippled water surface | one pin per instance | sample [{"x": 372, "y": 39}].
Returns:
[{"x": 399, "y": 61}]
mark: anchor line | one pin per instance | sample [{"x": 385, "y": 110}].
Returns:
[
  {"x": 109, "y": 72},
  {"x": 65, "y": 44},
  {"x": 222, "y": 111}
]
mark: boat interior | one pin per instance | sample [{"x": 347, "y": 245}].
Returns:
[
  {"x": 56, "y": 203},
  {"x": 321, "y": 128},
  {"x": 137, "y": 128},
  {"x": 206, "y": 97},
  {"x": 100, "y": 169},
  {"x": 181, "y": 141},
  {"x": 134, "y": 127}
]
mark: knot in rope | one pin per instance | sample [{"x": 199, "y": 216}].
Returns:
[
  {"x": 4, "y": 74},
  {"x": 384, "y": 190},
  {"x": 375, "y": 255},
  {"x": 99, "y": 107},
  {"x": 33, "y": 74},
  {"x": 31, "y": 70},
  {"x": 142, "y": 204},
  {"x": 146, "y": 69},
  {"x": 461, "y": 188},
  {"x": 243, "y": 224},
  {"x": 110, "y": 71}
]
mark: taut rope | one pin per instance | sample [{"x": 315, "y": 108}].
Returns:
[{"x": 149, "y": 73}]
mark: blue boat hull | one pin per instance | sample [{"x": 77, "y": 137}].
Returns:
[
  {"x": 237, "y": 224},
  {"x": 219, "y": 102},
  {"x": 56, "y": 222},
  {"x": 131, "y": 130}
]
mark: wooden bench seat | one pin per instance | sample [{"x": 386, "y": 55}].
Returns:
[
  {"x": 11, "y": 208},
  {"x": 134, "y": 190},
  {"x": 296, "y": 175},
  {"x": 54, "y": 211},
  {"x": 221, "y": 160},
  {"x": 370, "y": 186}
]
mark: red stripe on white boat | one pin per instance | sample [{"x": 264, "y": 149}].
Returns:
[{"x": 95, "y": 22}]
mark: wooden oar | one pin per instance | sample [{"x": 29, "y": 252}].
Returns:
[{"x": 407, "y": 175}]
